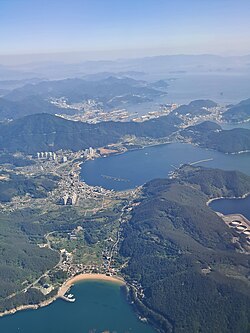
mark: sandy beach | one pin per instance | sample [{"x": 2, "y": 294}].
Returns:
[
  {"x": 84, "y": 277},
  {"x": 101, "y": 277},
  {"x": 64, "y": 288}
]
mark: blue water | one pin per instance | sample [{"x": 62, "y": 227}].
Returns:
[
  {"x": 232, "y": 206},
  {"x": 99, "y": 307},
  {"x": 140, "y": 166},
  {"x": 223, "y": 88}
]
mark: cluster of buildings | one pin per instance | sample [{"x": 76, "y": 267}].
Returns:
[
  {"x": 92, "y": 112},
  {"x": 69, "y": 199},
  {"x": 86, "y": 105},
  {"x": 51, "y": 156},
  {"x": 241, "y": 227},
  {"x": 107, "y": 266},
  {"x": 189, "y": 119},
  {"x": 164, "y": 111},
  {"x": 89, "y": 111},
  {"x": 71, "y": 190},
  {"x": 89, "y": 152},
  {"x": 75, "y": 269},
  {"x": 47, "y": 155},
  {"x": 73, "y": 235}
]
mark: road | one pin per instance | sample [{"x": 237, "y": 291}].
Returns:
[{"x": 44, "y": 274}]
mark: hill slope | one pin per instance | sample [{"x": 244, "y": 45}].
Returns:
[
  {"x": 238, "y": 113},
  {"x": 44, "y": 132},
  {"x": 210, "y": 135},
  {"x": 196, "y": 108},
  {"x": 183, "y": 255}
]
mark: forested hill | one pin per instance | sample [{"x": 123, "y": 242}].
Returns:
[
  {"x": 112, "y": 92},
  {"x": 196, "y": 108},
  {"x": 76, "y": 90},
  {"x": 193, "y": 276},
  {"x": 211, "y": 135},
  {"x": 238, "y": 113},
  {"x": 45, "y": 132}
]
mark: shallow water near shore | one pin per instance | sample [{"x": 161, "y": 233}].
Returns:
[{"x": 100, "y": 306}]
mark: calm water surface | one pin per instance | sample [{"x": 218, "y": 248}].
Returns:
[
  {"x": 140, "y": 166},
  {"x": 232, "y": 206},
  {"x": 100, "y": 306},
  {"x": 223, "y": 88}
]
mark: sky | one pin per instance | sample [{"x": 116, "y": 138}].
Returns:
[{"x": 125, "y": 28}]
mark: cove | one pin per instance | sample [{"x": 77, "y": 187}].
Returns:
[
  {"x": 232, "y": 206},
  {"x": 100, "y": 306}
]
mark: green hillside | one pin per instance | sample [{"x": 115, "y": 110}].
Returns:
[
  {"x": 44, "y": 132},
  {"x": 238, "y": 113},
  {"x": 210, "y": 135},
  {"x": 193, "y": 277}
]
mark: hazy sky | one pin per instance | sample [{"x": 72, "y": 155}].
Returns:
[{"x": 125, "y": 27}]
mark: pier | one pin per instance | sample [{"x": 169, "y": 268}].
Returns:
[
  {"x": 68, "y": 299},
  {"x": 201, "y": 161}
]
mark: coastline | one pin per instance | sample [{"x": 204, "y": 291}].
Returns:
[
  {"x": 91, "y": 277},
  {"x": 95, "y": 276},
  {"x": 244, "y": 196},
  {"x": 88, "y": 277},
  {"x": 64, "y": 288}
]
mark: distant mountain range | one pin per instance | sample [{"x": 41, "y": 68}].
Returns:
[
  {"x": 77, "y": 90},
  {"x": 19, "y": 98},
  {"x": 42, "y": 66},
  {"x": 112, "y": 92},
  {"x": 9, "y": 85}
]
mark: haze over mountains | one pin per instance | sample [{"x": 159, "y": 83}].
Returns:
[
  {"x": 159, "y": 64},
  {"x": 124, "y": 157},
  {"x": 76, "y": 90},
  {"x": 175, "y": 248},
  {"x": 111, "y": 92}
]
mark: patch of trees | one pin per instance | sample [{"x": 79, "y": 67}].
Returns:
[
  {"x": 20, "y": 185},
  {"x": 183, "y": 255}
]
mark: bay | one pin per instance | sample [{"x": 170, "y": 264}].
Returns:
[
  {"x": 100, "y": 306},
  {"x": 137, "y": 167}
]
